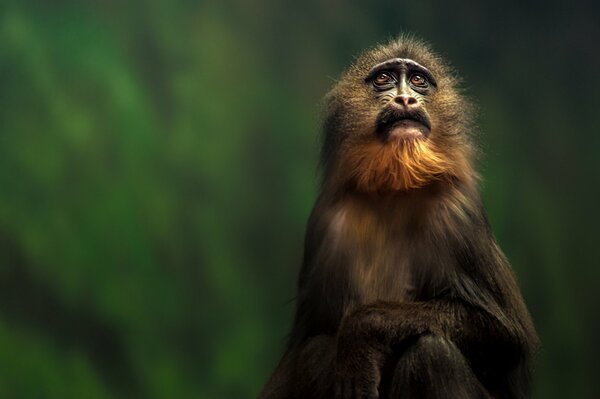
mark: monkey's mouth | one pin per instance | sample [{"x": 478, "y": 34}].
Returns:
[
  {"x": 406, "y": 128},
  {"x": 396, "y": 124}
]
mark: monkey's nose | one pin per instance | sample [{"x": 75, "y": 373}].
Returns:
[{"x": 406, "y": 100}]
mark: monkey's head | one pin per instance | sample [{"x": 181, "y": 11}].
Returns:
[{"x": 396, "y": 121}]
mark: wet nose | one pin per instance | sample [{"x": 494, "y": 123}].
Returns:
[{"x": 406, "y": 100}]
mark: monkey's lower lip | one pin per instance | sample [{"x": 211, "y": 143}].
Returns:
[{"x": 407, "y": 128}]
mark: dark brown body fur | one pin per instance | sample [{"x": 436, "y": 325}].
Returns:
[{"x": 403, "y": 291}]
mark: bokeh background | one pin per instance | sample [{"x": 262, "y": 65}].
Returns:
[{"x": 157, "y": 167}]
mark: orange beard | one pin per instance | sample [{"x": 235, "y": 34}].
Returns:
[{"x": 397, "y": 165}]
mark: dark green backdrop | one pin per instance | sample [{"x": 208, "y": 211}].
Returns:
[{"x": 157, "y": 166}]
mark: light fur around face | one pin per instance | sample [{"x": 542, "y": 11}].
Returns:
[{"x": 356, "y": 158}]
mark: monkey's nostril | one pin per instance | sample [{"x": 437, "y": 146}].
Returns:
[{"x": 405, "y": 100}]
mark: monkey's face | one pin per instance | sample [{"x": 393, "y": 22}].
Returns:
[
  {"x": 402, "y": 88},
  {"x": 396, "y": 122}
]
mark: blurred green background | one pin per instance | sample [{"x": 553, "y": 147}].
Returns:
[{"x": 157, "y": 167}]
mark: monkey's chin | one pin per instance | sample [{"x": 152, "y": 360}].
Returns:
[{"x": 408, "y": 129}]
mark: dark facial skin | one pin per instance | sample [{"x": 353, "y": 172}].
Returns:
[{"x": 402, "y": 87}]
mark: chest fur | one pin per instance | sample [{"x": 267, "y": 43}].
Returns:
[
  {"x": 374, "y": 249},
  {"x": 392, "y": 249}
]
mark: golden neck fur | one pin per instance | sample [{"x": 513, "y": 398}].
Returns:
[{"x": 373, "y": 165}]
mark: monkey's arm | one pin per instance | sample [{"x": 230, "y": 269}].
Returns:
[
  {"x": 374, "y": 335},
  {"x": 353, "y": 360},
  {"x": 387, "y": 324}
]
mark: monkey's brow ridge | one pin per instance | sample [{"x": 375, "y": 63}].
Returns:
[{"x": 393, "y": 62}]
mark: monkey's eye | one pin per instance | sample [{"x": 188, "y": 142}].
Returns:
[
  {"x": 383, "y": 79},
  {"x": 418, "y": 80}
]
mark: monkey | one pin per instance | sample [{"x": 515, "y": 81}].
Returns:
[{"x": 403, "y": 290}]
